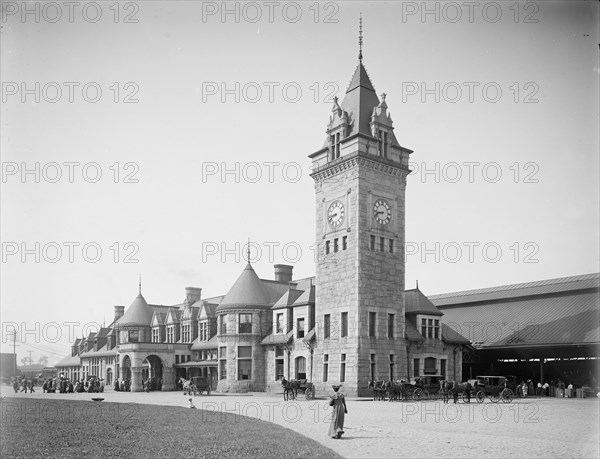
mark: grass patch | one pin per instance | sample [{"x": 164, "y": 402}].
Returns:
[{"x": 80, "y": 429}]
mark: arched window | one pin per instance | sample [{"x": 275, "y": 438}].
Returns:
[
  {"x": 429, "y": 366},
  {"x": 300, "y": 368}
]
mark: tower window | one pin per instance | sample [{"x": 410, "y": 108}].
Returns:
[
  {"x": 325, "y": 367},
  {"x": 381, "y": 244},
  {"x": 327, "y": 247},
  {"x": 335, "y": 146},
  {"x": 344, "y": 325},
  {"x": 326, "y": 325},
  {"x": 372, "y": 242},
  {"x": 372, "y": 322},
  {"x": 391, "y": 246},
  {"x": 343, "y": 368},
  {"x": 344, "y": 242},
  {"x": 335, "y": 245},
  {"x": 391, "y": 320},
  {"x": 383, "y": 143}
]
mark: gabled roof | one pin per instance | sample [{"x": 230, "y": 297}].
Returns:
[
  {"x": 173, "y": 316},
  {"x": 307, "y": 297},
  {"x": 288, "y": 298},
  {"x": 207, "y": 311},
  {"x": 417, "y": 303},
  {"x": 138, "y": 313},
  {"x": 248, "y": 290},
  {"x": 158, "y": 319},
  {"x": 69, "y": 361},
  {"x": 502, "y": 292},
  {"x": 536, "y": 314}
]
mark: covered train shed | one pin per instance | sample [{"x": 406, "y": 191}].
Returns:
[{"x": 543, "y": 331}]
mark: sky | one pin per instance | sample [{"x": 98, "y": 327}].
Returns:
[{"x": 161, "y": 136}]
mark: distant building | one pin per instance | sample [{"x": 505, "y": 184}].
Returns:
[{"x": 8, "y": 365}]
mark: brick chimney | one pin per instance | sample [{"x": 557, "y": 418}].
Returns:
[
  {"x": 193, "y": 294},
  {"x": 119, "y": 311},
  {"x": 283, "y": 273}
]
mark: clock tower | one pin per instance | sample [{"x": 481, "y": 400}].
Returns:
[{"x": 360, "y": 180}]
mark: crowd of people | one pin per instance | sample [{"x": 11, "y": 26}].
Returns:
[
  {"x": 23, "y": 384},
  {"x": 122, "y": 385},
  {"x": 556, "y": 388}
]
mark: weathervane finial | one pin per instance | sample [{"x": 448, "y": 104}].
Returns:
[
  {"x": 360, "y": 38},
  {"x": 248, "y": 251},
  {"x": 140, "y": 284}
]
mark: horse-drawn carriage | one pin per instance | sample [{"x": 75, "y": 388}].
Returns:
[
  {"x": 195, "y": 386},
  {"x": 292, "y": 387},
  {"x": 494, "y": 387}
]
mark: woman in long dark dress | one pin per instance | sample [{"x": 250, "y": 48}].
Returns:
[{"x": 338, "y": 402}]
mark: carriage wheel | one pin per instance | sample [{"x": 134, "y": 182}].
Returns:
[
  {"x": 480, "y": 397},
  {"x": 417, "y": 394},
  {"x": 495, "y": 398},
  {"x": 310, "y": 393},
  {"x": 507, "y": 395}
]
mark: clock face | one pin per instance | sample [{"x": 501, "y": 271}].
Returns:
[
  {"x": 335, "y": 214},
  {"x": 382, "y": 212}
]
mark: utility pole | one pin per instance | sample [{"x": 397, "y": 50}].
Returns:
[{"x": 30, "y": 360}]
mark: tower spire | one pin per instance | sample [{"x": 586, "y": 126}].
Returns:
[
  {"x": 248, "y": 251},
  {"x": 360, "y": 38},
  {"x": 140, "y": 284}
]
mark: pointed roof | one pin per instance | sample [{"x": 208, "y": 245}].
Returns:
[
  {"x": 417, "y": 303},
  {"x": 248, "y": 290},
  {"x": 359, "y": 101},
  {"x": 138, "y": 313}
]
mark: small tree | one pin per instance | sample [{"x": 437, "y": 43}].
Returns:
[{"x": 44, "y": 360}]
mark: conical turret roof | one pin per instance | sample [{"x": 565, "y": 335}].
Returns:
[
  {"x": 248, "y": 290},
  {"x": 138, "y": 313}
]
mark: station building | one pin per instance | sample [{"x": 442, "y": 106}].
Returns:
[{"x": 351, "y": 323}]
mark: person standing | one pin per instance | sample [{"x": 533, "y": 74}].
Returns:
[
  {"x": 468, "y": 388},
  {"x": 455, "y": 391},
  {"x": 338, "y": 402}
]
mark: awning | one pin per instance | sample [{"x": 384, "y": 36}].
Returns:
[
  {"x": 196, "y": 364},
  {"x": 203, "y": 345},
  {"x": 309, "y": 336},
  {"x": 278, "y": 338}
]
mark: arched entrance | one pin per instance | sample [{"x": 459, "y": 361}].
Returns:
[
  {"x": 152, "y": 372},
  {"x": 109, "y": 377},
  {"x": 126, "y": 368}
]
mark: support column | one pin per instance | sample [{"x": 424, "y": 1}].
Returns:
[
  {"x": 136, "y": 379},
  {"x": 542, "y": 370},
  {"x": 168, "y": 378}
]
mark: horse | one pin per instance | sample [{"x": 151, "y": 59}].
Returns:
[
  {"x": 396, "y": 390},
  {"x": 290, "y": 389},
  {"x": 446, "y": 387},
  {"x": 379, "y": 389},
  {"x": 188, "y": 387}
]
